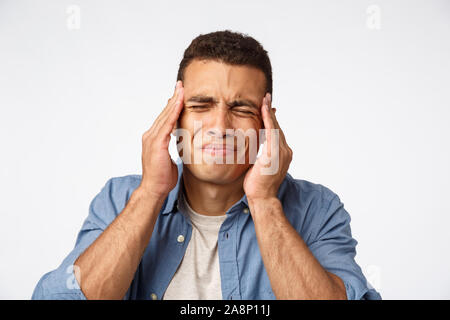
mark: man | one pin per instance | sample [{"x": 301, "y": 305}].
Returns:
[{"x": 220, "y": 229}]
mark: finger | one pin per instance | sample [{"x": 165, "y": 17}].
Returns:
[
  {"x": 170, "y": 123},
  {"x": 171, "y": 120},
  {"x": 272, "y": 113},
  {"x": 268, "y": 125},
  {"x": 266, "y": 116},
  {"x": 274, "y": 119},
  {"x": 172, "y": 99},
  {"x": 271, "y": 122},
  {"x": 166, "y": 111},
  {"x": 161, "y": 133}
]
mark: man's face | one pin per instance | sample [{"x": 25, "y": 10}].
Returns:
[{"x": 219, "y": 97}]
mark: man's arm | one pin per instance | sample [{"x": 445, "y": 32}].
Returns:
[
  {"x": 107, "y": 267},
  {"x": 293, "y": 270}
]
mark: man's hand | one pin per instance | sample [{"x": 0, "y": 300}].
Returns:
[
  {"x": 293, "y": 270},
  {"x": 257, "y": 185},
  {"x": 159, "y": 171},
  {"x": 109, "y": 264}
]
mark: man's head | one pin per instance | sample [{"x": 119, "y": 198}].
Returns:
[
  {"x": 225, "y": 77},
  {"x": 231, "y": 48}
]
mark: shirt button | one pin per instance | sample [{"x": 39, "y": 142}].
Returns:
[
  {"x": 246, "y": 210},
  {"x": 154, "y": 296},
  {"x": 180, "y": 238}
]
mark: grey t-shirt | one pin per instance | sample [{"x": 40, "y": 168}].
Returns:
[{"x": 198, "y": 275}]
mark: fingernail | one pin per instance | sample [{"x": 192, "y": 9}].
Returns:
[{"x": 269, "y": 97}]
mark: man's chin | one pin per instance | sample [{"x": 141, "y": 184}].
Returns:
[{"x": 217, "y": 173}]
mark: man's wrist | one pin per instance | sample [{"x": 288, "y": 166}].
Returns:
[
  {"x": 264, "y": 206},
  {"x": 265, "y": 199},
  {"x": 148, "y": 198},
  {"x": 147, "y": 193}
]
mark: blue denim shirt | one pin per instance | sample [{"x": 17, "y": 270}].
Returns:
[{"x": 313, "y": 210}]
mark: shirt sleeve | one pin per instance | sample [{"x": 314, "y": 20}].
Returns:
[
  {"x": 335, "y": 249},
  {"x": 61, "y": 284}
]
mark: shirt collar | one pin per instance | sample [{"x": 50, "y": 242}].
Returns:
[{"x": 172, "y": 199}]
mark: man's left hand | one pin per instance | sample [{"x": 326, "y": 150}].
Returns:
[{"x": 264, "y": 178}]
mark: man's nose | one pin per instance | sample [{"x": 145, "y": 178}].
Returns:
[{"x": 220, "y": 122}]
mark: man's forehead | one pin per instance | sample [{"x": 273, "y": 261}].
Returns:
[
  {"x": 212, "y": 77},
  {"x": 202, "y": 91}
]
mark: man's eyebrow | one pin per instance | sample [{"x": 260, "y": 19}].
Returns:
[
  {"x": 237, "y": 102},
  {"x": 202, "y": 99}
]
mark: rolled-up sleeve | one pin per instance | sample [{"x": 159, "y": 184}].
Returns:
[
  {"x": 61, "y": 284},
  {"x": 335, "y": 249}
]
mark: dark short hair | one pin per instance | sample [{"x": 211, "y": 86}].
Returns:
[{"x": 233, "y": 48}]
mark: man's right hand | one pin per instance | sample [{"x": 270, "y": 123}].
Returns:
[
  {"x": 109, "y": 264},
  {"x": 159, "y": 171}
]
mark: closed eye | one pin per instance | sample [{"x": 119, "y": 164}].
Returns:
[
  {"x": 240, "y": 110},
  {"x": 198, "y": 107},
  {"x": 244, "y": 111}
]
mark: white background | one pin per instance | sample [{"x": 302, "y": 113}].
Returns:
[{"x": 366, "y": 111}]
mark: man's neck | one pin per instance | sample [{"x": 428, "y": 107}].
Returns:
[{"x": 211, "y": 199}]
